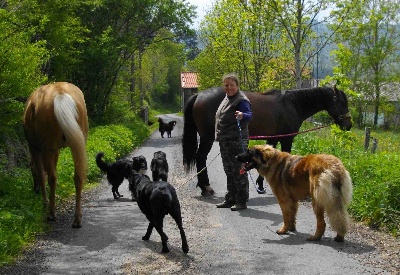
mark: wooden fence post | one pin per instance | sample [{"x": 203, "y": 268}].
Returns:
[
  {"x": 374, "y": 145},
  {"x": 367, "y": 138}
]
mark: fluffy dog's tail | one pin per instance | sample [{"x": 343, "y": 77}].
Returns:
[
  {"x": 100, "y": 162},
  {"x": 334, "y": 194}
]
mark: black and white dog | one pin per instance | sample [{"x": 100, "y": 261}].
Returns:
[
  {"x": 165, "y": 127},
  {"x": 159, "y": 166},
  {"x": 156, "y": 199},
  {"x": 116, "y": 172}
]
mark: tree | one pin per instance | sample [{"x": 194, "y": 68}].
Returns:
[
  {"x": 371, "y": 34},
  {"x": 299, "y": 19},
  {"x": 162, "y": 63},
  {"x": 120, "y": 31},
  {"x": 21, "y": 60},
  {"x": 236, "y": 36}
]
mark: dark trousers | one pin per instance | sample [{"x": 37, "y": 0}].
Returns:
[{"x": 237, "y": 184}]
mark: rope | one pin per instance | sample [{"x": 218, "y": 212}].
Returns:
[
  {"x": 204, "y": 168},
  {"x": 286, "y": 135},
  {"x": 243, "y": 148},
  {"x": 254, "y": 138}
]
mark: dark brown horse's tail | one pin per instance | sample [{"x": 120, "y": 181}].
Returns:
[
  {"x": 189, "y": 139},
  {"x": 66, "y": 113}
]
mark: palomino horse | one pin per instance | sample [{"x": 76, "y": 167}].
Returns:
[
  {"x": 275, "y": 113},
  {"x": 55, "y": 117}
]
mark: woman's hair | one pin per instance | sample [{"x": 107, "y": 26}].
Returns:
[{"x": 231, "y": 76}]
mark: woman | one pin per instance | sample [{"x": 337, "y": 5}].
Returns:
[{"x": 231, "y": 131}]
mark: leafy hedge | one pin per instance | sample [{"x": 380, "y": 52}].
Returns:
[
  {"x": 21, "y": 212},
  {"x": 376, "y": 177}
]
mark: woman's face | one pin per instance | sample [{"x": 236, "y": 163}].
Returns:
[{"x": 230, "y": 87}]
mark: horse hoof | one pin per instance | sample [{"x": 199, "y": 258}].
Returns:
[
  {"x": 210, "y": 190},
  {"x": 76, "y": 225}
]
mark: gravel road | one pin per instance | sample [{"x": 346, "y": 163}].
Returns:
[{"x": 220, "y": 241}]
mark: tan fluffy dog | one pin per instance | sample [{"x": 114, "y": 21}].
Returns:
[{"x": 293, "y": 178}]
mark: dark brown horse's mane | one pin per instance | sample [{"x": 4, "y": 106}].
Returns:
[
  {"x": 271, "y": 92},
  {"x": 311, "y": 90}
]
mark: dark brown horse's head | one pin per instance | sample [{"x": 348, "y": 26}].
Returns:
[{"x": 339, "y": 109}]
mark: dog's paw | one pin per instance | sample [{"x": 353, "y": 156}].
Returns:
[
  {"x": 281, "y": 231},
  {"x": 338, "y": 239},
  {"x": 292, "y": 229},
  {"x": 314, "y": 238}
]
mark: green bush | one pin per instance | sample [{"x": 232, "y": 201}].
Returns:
[
  {"x": 376, "y": 177},
  {"x": 21, "y": 210},
  {"x": 20, "y": 213}
]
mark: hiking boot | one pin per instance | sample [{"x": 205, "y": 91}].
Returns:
[
  {"x": 239, "y": 206},
  {"x": 261, "y": 190},
  {"x": 225, "y": 204}
]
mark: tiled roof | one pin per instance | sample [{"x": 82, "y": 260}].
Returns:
[{"x": 189, "y": 80}]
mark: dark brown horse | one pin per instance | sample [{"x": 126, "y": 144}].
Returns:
[
  {"x": 55, "y": 117},
  {"x": 275, "y": 112}
]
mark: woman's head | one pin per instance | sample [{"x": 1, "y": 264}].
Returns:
[{"x": 231, "y": 84}]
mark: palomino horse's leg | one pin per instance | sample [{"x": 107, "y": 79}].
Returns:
[
  {"x": 77, "y": 223},
  {"x": 38, "y": 174},
  {"x": 50, "y": 163}
]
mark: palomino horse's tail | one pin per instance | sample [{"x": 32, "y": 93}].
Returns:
[
  {"x": 189, "y": 139},
  {"x": 66, "y": 113}
]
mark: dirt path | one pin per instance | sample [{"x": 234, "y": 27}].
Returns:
[{"x": 220, "y": 241}]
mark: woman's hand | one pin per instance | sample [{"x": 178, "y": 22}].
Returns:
[{"x": 238, "y": 115}]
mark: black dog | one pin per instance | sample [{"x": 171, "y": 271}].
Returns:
[
  {"x": 116, "y": 172},
  {"x": 156, "y": 199},
  {"x": 159, "y": 166},
  {"x": 165, "y": 127}
]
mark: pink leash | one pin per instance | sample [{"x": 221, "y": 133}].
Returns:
[{"x": 286, "y": 135}]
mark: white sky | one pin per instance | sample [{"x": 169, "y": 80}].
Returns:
[
  {"x": 205, "y": 5},
  {"x": 202, "y": 7}
]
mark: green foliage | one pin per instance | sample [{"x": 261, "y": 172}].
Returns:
[
  {"x": 368, "y": 49},
  {"x": 21, "y": 211},
  {"x": 20, "y": 214},
  {"x": 376, "y": 177},
  {"x": 376, "y": 198},
  {"x": 162, "y": 63}
]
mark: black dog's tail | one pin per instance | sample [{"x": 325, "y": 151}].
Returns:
[
  {"x": 163, "y": 174},
  {"x": 100, "y": 163},
  {"x": 161, "y": 200}
]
